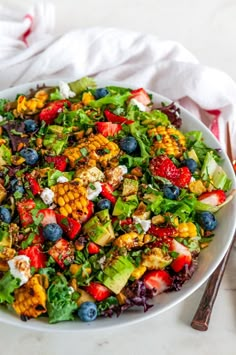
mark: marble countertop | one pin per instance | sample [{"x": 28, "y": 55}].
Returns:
[{"x": 207, "y": 28}]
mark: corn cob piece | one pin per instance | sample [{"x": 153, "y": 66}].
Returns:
[
  {"x": 170, "y": 140},
  {"x": 132, "y": 240},
  {"x": 92, "y": 150},
  {"x": 187, "y": 230},
  {"x": 30, "y": 299},
  {"x": 30, "y": 106},
  {"x": 71, "y": 198}
]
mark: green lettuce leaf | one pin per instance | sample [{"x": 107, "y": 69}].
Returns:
[
  {"x": 117, "y": 100},
  {"x": 54, "y": 174},
  {"x": 8, "y": 284},
  {"x": 82, "y": 84}
]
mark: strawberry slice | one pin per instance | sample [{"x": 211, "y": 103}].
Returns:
[
  {"x": 98, "y": 291},
  {"x": 24, "y": 209},
  {"x": 157, "y": 280},
  {"x": 213, "y": 198},
  {"x": 107, "y": 191},
  {"x": 108, "y": 128},
  {"x": 183, "y": 178},
  {"x": 163, "y": 231},
  {"x": 70, "y": 226},
  {"x": 37, "y": 257},
  {"x": 183, "y": 258},
  {"x": 141, "y": 96},
  {"x": 49, "y": 216},
  {"x": 59, "y": 162},
  {"x": 52, "y": 110},
  {"x": 90, "y": 208},
  {"x": 111, "y": 117},
  {"x": 164, "y": 167},
  {"x": 93, "y": 248},
  {"x": 34, "y": 185},
  {"x": 62, "y": 252}
]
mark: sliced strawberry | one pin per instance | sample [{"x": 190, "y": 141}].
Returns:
[
  {"x": 213, "y": 198},
  {"x": 70, "y": 226},
  {"x": 183, "y": 178},
  {"x": 93, "y": 248},
  {"x": 34, "y": 185},
  {"x": 37, "y": 257},
  {"x": 107, "y": 191},
  {"x": 24, "y": 209},
  {"x": 157, "y": 280},
  {"x": 49, "y": 216},
  {"x": 62, "y": 252},
  {"x": 141, "y": 96},
  {"x": 90, "y": 208},
  {"x": 111, "y": 117},
  {"x": 59, "y": 162},
  {"x": 162, "y": 241},
  {"x": 183, "y": 258},
  {"x": 52, "y": 110},
  {"x": 126, "y": 222},
  {"x": 98, "y": 291},
  {"x": 163, "y": 231},
  {"x": 108, "y": 129},
  {"x": 164, "y": 167}
]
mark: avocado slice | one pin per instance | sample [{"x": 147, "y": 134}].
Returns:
[
  {"x": 130, "y": 187},
  {"x": 116, "y": 275},
  {"x": 99, "y": 228}
]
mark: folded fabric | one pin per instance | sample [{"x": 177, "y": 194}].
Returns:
[{"x": 29, "y": 52}]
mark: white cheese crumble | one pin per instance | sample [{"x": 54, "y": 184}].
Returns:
[
  {"x": 20, "y": 268},
  {"x": 65, "y": 90},
  {"x": 47, "y": 196},
  {"x": 94, "y": 192},
  {"x": 123, "y": 169},
  {"x": 145, "y": 223},
  {"x": 141, "y": 106},
  {"x": 2, "y": 118},
  {"x": 62, "y": 179},
  {"x": 91, "y": 175}
]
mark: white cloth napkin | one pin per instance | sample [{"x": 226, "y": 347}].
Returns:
[{"x": 29, "y": 52}]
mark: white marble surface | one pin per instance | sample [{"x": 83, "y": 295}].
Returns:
[{"x": 207, "y": 28}]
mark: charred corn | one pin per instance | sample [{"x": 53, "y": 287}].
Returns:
[
  {"x": 31, "y": 106},
  {"x": 132, "y": 240},
  {"x": 197, "y": 187},
  {"x": 187, "y": 230},
  {"x": 138, "y": 272},
  {"x": 170, "y": 140},
  {"x": 30, "y": 299},
  {"x": 155, "y": 259},
  {"x": 87, "y": 97},
  {"x": 92, "y": 150},
  {"x": 71, "y": 198}
]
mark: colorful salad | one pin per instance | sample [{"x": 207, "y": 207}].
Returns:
[{"x": 104, "y": 202}]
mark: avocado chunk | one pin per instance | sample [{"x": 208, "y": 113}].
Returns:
[
  {"x": 125, "y": 207},
  {"x": 193, "y": 155},
  {"x": 156, "y": 259},
  {"x": 117, "y": 273},
  {"x": 99, "y": 228},
  {"x": 130, "y": 187}
]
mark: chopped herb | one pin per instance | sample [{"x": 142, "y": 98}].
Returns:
[
  {"x": 92, "y": 187},
  {"x": 28, "y": 241},
  {"x": 84, "y": 152}
]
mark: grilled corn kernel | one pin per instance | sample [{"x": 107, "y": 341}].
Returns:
[
  {"x": 30, "y": 106},
  {"x": 121, "y": 298},
  {"x": 30, "y": 299},
  {"x": 71, "y": 198},
  {"x": 94, "y": 149},
  {"x": 87, "y": 97},
  {"x": 197, "y": 187},
  {"x": 138, "y": 272},
  {"x": 187, "y": 230},
  {"x": 168, "y": 139},
  {"x": 131, "y": 240},
  {"x": 74, "y": 268}
]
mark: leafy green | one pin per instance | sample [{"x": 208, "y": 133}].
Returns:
[
  {"x": 28, "y": 241},
  {"x": 117, "y": 100},
  {"x": 82, "y": 84},
  {"x": 2, "y": 104},
  {"x": 124, "y": 209},
  {"x": 74, "y": 118},
  {"x": 5, "y": 155},
  {"x": 7, "y": 285},
  {"x": 54, "y": 174},
  {"x": 194, "y": 140},
  {"x": 60, "y": 303},
  {"x": 56, "y": 95},
  {"x": 106, "y": 304},
  {"x": 48, "y": 271},
  {"x": 154, "y": 118}
]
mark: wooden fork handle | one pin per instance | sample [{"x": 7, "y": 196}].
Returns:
[{"x": 202, "y": 316}]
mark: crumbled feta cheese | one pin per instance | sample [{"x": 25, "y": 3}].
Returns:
[
  {"x": 71, "y": 290},
  {"x": 2, "y": 118},
  {"x": 94, "y": 192},
  {"x": 123, "y": 169},
  {"x": 47, "y": 196},
  {"x": 62, "y": 179},
  {"x": 65, "y": 90},
  {"x": 145, "y": 223},
  {"x": 139, "y": 105},
  {"x": 20, "y": 268},
  {"x": 192, "y": 179},
  {"x": 91, "y": 175}
]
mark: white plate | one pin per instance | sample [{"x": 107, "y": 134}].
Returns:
[{"x": 208, "y": 260}]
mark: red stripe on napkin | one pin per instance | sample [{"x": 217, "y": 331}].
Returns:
[
  {"x": 214, "y": 127},
  {"x": 29, "y": 30}
]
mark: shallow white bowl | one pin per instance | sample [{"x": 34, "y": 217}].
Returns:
[{"x": 208, "y": 260}]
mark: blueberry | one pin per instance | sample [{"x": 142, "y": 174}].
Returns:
[
  {"x": 30, "y": 126},
  {"x": 128, "y": 144},
  {"x": 5, "y": 214},
  {"x": 87, "y": 311},
  {"x": 171, "y": 192},
  {"x": 52, "y": 232},
  {"x": 16, "y": 187},
  {"x": 30, "y": 155},
  {"x": 104, "y": 204},
  {"x": 191, "y": 164},
  {"x": 99, "y": 93},
  {"x": 207, "y": 220}
]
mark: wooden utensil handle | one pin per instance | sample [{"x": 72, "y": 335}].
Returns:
[{"x": 203, "y": 314}]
